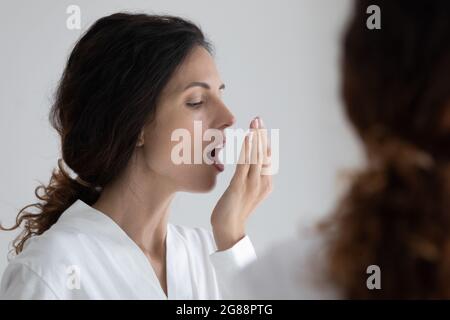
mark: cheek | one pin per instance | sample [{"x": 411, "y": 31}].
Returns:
[{"x": 158, "y": 156}]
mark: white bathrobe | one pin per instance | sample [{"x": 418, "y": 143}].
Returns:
[{"x": 86, "y": 255}]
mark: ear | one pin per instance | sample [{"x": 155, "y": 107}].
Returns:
[{"x": 140, "y": 141}]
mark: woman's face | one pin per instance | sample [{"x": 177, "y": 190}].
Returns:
[{"x": 193, "y": 96}]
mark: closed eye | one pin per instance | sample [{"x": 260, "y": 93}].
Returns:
[{"x": 194, "y": 104}]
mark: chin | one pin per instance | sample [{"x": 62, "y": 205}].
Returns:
[
  {"x": 201, "y": 180},
  {"x": 202, "y": 184},
  {"x": 206, "y": 185}
]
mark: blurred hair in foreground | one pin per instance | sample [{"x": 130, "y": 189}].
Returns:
[{"x": 396, "y": 214}]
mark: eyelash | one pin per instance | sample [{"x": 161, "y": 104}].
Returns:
[{"x": 195, "y": 104}]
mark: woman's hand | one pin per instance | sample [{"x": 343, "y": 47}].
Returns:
[{"x": 251, "y": 183}]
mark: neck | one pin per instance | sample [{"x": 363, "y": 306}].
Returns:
[{"x": 139, "y": 201}]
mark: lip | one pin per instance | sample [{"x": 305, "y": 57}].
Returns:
[{"x": 217, "y": 164}]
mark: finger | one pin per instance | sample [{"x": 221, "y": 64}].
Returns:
[
  {"x": 266, "y": 169},
  {"x": 266, "y": 177},
  {"x": 244, "y": 157},
  {"x": 243, "y": 163},
  {"x": 260, "y": 151},
  {"x": 253, "y": 126},
  {"x": 267, "y": 151},
  {"x": 264, "y": 144},
  {"x": 266, "y": 183},
  {"x": 254, "y": 169},
  {"x": 254, "y": 148}
]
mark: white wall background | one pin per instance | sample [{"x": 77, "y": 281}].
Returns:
[{"x": 279, "y": 60}]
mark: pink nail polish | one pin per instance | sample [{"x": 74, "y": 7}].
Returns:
[{"x": 261, "y": 122}]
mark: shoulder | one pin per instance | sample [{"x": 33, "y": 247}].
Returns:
[
  {"x": 34, "y": 271},
  {"x": 19, "y": 281},
  {"x": 47, "y": 259},
  {"x": 55, "y": 244}
]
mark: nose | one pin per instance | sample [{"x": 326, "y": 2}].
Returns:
[{"x": 224, "y": 116}]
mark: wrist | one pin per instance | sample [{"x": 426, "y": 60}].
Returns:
[{"x": 227, "y": 237}]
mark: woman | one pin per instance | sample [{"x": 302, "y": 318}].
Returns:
[
  {"x": 129, "y": 83},
  {"x": 390, "y": 235}
]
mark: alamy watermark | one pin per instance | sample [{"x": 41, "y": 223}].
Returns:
[
  {"x": 373, "y": 282},
  {"x": 224, "y": 147},
  {"x": 73, "y": 21},
  {"x": 373, "y": 22},
  {"x": 73, "y": 281}
]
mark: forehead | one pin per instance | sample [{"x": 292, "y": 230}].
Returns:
[{"x": 199, "y": 65}]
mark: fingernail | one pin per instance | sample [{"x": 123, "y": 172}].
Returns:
[
  {"x": 257, "y": 122},
  {"x": 261, "y": 122}
]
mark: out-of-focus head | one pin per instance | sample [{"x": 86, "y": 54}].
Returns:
[
  {"x": 396, "y": 213},
  {"x": 396, "y": 80}
]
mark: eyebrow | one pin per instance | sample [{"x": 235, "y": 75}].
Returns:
[{"x": 202, "y": 84}]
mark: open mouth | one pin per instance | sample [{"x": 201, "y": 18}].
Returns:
[{"x": 214, "y": 156}]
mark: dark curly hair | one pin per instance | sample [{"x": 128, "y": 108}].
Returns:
[
  {"x": 108, "y": 92},
  {"x": 396, "y": 213}
]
